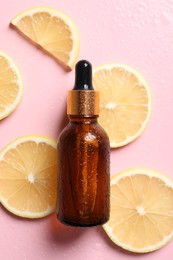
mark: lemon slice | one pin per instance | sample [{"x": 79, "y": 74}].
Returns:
[
  {"x": 28, "y": 176},
  {"x": 11, "y": 85},
  {"x": 125, "y": 102},
  {"x": 141, "y": 218},
  {"x": 51, "y": 30}
]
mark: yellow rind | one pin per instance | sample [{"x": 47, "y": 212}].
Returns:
[
  {"x": 145, "y": 83},
  {"x": 148, "y": 172},
  {"x": 75, "y": 34},
  {"x": 16, "y": 69},
  {"x": 50, "y": 141}
]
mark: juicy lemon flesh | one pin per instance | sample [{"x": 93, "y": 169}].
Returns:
[
  {"x": 9, "y": 87},
  {"x": 141, "y": 212},
  {"x": 28, "y": 178},
  {"x": 124, "y": 104},
  {"x": 49, "y": 32}
]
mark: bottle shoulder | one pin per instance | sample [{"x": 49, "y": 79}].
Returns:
[{"x": 87, "y": 132}]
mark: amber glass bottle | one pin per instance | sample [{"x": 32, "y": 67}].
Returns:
[{"x": 84, "y": 157}]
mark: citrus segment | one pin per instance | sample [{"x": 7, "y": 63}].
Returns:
[
  {"x": 141, "y": 218},
  {"x": 11, "y": 85},
  {"x": 125, "y": 102},
  {"x": 52, "y": 30},
  {"x": 28, "y": 176}
]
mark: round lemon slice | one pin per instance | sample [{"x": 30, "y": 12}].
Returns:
[
  {"x": 125, "y": 102},
  {"x": 11, "y": 85},
  {"x": 28, "y": 176},
  {"x": 141, "y": 218}
]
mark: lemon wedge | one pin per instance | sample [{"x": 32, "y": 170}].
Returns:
[{"x": 53, "y": 31}]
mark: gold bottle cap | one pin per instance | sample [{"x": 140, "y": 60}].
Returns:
[{"x": 83, "y": 102}]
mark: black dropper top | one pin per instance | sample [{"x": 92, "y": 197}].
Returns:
[{"x": 83, "y": 76}]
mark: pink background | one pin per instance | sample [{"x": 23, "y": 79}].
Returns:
[{"x": 137, "y": 33}]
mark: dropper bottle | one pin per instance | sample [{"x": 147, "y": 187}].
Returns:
[{"x": 83, "y": 157}]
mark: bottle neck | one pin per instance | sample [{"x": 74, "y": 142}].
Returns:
[{"x": 83, "y": 119}]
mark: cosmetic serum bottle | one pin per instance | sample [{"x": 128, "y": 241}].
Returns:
[{"x": 83, "y": 157}]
